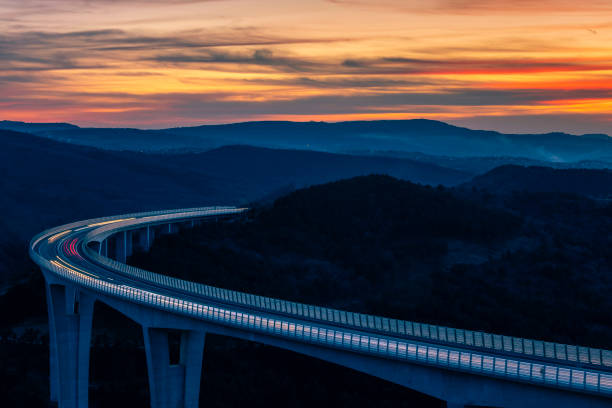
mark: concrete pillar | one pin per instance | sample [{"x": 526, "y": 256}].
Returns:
[
  {"x": 53, "y": 364},
  {"x": 174, "y": 385},
  {"x": 144, "y": 238},
  {"x": 103, "y": 248},
  {"x": 150, "y": 237},
  {"x": 120, "y": 247},
  {"x": 141, "y": 239},
  {"x": 70, "y": 319},
  {"x": 129, "y": 244}
]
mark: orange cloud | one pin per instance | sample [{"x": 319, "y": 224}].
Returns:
[{"x": 188, "y": 61}]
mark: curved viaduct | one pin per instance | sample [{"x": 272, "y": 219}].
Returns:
[{"x": 84, "y": 262}]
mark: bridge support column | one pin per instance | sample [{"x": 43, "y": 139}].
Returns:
[
  {"x": 120, "y": 247},
  {"x": 70, "y": 318},
  {"x": 103, "y": 248},
  {"x": 143, "y": 238},
  {"x": 174, "y": 385},
  {"x": 150, "y": 236},
  {"x": 129, "y": 243}
]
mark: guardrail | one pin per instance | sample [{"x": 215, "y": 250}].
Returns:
[
  {"x": 569, "y": 354},
  {"x": 34, "y": 241},
  {"x": 574, "y": 379}
]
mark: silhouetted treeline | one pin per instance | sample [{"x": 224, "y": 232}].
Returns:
[
  {"x": 510, "y": 178},
  {"x": 529, "y": 264}
]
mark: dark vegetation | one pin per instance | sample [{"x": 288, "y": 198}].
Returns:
[
  {"x": 509, "y": 178},
  {"x": 541, "y": 265}
]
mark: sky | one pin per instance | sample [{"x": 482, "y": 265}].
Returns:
[{"x": 514, "y": 66}]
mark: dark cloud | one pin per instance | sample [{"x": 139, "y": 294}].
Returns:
[
  {"x": 384, "y": 101},
  {"x": 262, "y": 56},
  {"x": 353, "y": 63},
  {"x": 30, "y": 51},
  {"x": 402, "y": 65},
  {"x": 372, "y": 82}
]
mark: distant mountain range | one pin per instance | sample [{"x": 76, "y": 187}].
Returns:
[
  {"x": 46, "y": 183},
  {"x": 40, "y": 179},
  {"x": 427, "y": 137}
]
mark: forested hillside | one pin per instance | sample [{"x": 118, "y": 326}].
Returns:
[{"x": 524, "y": 265}]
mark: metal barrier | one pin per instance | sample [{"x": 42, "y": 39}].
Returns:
[{"x": 582, "y": 380}]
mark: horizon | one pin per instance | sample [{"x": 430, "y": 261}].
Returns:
[
  {"x": 478, "y": 64},
  {"x": 303, "y": 121}
]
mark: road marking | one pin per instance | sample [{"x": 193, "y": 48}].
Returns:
[
  {"x": 97, "y": 224},
  {"x": 59, "y": 234}
]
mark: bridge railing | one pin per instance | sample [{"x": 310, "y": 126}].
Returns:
[
  {"x": 572, "y": 354},
  {"x": 48, "y": 232},
  {"x": 570, "y": 378},
  {"x": 177, "y": 216}
]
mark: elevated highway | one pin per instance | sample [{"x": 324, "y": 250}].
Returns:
[{"x": 84, "y": 263}]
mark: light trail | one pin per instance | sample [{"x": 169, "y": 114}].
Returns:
[
  {"x": 97, "y": 224},
  {"x": 61, "y": 263},
  {"x": 54, "y": 238}
]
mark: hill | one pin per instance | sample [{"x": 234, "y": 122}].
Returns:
[
  {"x": 381, "y": 245},
  {"x": 510, "y": 178},
  {"x": 45, "y": 183},
  {"x": 418, "y": 135},
  {"x": 482, "y": 164}
]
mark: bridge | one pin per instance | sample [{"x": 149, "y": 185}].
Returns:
[{"x": 84, "y": 262}]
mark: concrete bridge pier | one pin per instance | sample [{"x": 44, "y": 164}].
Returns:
[
  {"x": 140, "y": 239},
  {"x": 145, "y": 238},
  {"x": 70, "y": 319},
  {"x": 123, "y": 246},
  {"x": 119, "y": 248},
  {"x": 174, "y": 385},
  {"x": 104, "y": 247},
  {"x": 129, "y": 243}
]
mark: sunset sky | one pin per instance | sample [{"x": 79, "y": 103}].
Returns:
[{"x": 521, "y": 66}]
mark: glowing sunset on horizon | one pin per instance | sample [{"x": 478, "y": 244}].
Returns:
[{"x": 514, "y": 66}]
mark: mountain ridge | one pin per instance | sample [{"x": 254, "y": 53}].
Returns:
[{"x": 414, "y": 135}]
